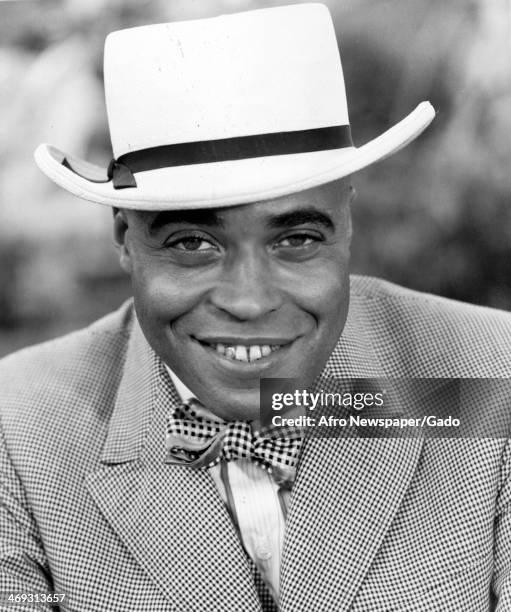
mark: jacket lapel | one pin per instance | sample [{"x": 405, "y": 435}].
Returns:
[
  {"x": 170, "y": 518},
  {"x": 347, "y": 492}
]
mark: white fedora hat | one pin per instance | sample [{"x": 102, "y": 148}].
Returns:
[{"x": 223, "y": 111}]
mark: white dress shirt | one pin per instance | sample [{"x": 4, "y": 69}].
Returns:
[{"x": 259, "y": 515}]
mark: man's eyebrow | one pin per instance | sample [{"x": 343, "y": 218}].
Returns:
[
  {"x": 300, "y": 217},
  {"x": 189, "y": 217}
]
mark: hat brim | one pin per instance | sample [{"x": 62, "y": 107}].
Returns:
[{"x": 229, "y": 183}]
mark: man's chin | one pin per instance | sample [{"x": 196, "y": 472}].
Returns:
[{"x": 235, "y": 406}]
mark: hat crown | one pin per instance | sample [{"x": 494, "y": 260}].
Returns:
[{"x": 258, "y": 72}]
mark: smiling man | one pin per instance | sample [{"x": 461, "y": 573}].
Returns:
[{"x": 135, "y": 473}]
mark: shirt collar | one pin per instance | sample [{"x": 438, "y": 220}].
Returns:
[
  {"x": 182, "y": 390},
  {"x": 185, "y": 395}
]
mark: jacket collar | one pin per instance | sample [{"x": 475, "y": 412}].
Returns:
[
  {"x": 135, "y": 402},
  {"x": 355, "y": 355}
]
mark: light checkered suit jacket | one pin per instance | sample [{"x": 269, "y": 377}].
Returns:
[{"x": 90, "y": 509}]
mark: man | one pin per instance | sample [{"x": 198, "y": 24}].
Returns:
[{"x": 132, "y": 450}]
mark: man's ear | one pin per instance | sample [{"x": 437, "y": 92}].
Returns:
[{"x": 121, "y": 238}]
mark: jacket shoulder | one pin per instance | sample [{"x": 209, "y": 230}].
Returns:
[
  {"x": 76, "y": 374},
  {"x": 420, "y": 334}
]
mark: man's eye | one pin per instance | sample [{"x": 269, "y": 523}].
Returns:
[
  {"x": 297, "y": 241},
  {"x": 191, "y": 243}
]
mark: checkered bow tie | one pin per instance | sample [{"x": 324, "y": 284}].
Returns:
[{"x": 198, "y": 439}]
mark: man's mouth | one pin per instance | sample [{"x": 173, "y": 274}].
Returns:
[
  {"x": 247, "y": 352},
  {"x": 242, "y": 352}
]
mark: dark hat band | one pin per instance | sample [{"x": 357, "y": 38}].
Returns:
[{"x": 121, "y": 171}]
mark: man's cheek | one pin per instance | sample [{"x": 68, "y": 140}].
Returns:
[
  {"x": 329, "y": 284},
  {"x": 333, "y": 305},
  {"x": 156, "y": 297},
  {"x": 165, "y": 299}
]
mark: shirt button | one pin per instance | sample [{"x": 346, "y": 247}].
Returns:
[{"x": 263, "y": 553}]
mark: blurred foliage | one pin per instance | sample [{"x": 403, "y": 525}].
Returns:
[{"x": 435, "y": 216}]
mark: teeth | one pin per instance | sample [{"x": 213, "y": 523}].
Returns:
[
  {"x": 241, "y": 352},
  {"x": 255, "y": 352}
]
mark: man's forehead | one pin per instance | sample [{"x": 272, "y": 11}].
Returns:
[
  {"x": 214, "y": 218},
  {"x": 316, "y": 206}
]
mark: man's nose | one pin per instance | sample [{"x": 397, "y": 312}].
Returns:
[{"x": 247, "y": 289}]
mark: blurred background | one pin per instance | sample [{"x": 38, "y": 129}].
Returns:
[{"x": 435, "y": 217}]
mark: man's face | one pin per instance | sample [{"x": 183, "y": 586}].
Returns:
[{"x": 228, "y": 296}]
